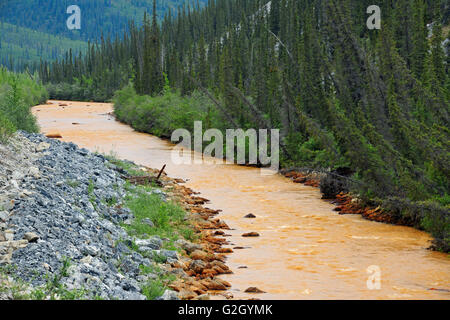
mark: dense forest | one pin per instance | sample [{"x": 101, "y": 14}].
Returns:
[
  {"x": 373, "y": 101},
  {"x": 97, "y": 16},
  {"x": 23, "y": 48},
  {"x": 31, "y": 30}
]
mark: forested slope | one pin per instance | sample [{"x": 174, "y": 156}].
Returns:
[
  {"x": 26, "y": 47},
  {"x": 33, "y": 29}
]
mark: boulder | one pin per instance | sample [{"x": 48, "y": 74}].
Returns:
[
  {"x": 31, "y": 237},
  {"x": 42, "y": 146},
  {"x": 251, "y": 234},
  {"x": 254, "y": 290}
]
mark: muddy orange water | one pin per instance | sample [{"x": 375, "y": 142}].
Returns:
[{"x": 306, "y": 250}]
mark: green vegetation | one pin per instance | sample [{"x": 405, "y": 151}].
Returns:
[
  {"x": 91, "y": 194},
  {"x": 25, "y": 41},
  {"x": 52, "y": 290},
  {"x": 163, "y": 114},
  {"x": 168, "y": 217},
  {"x": 99, "y": 17},
  {"x": 18, "y": 93},
  {"x": 73, "y": 183},
  {"x": 169, "y": 223},
  {"x": 23, "y": 48},
  {"x": 156, "y": 287}
]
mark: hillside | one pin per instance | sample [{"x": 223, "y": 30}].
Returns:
[
  {"x": 27, "y": 46},
  {"x": 46, "y": 35}
]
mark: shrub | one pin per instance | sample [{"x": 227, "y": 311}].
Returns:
[
  {"x": 162, "y": 115},
  {"x": 18, "y": 93},
  {"x": 331, "y": 185},
  {"x": 6, "y": 128}
]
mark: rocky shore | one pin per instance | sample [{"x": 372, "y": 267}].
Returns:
[
  {"x": 344, "y": 201},
  {"x": 63, "y": 229},
  {"x": 335, "y": 189}
]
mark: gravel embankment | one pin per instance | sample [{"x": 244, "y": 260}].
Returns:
[{"x": 54, "y": 207}]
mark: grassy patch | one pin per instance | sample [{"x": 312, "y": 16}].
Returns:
[
  {"x": 18, "y": 93},
  {"x": 91, "y": 195},
  {"x": 155, "y": 288},
  {"x": 73, "y": 183},
  {"x": 127, "y": 166},
  {"x": 168, "y": 217},
  {"x": 169, "y": 222},
  {"x": 53, "y": 289}
]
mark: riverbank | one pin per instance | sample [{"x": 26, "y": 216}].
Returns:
[
  {"x": 71, "y": 227},
  {"x": 430, "y": 217}
]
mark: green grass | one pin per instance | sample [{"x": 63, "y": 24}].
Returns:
[
  {"x": 53, "y": 289},
  {"x": 73, "y": 183},
  {"x": 168, "y": 217},
  {"x": 129, "y": 167},
  {"x": 91, "y": 194},
  {"x": 154, "y": 289},
  {"x": 169, "y": 223}
]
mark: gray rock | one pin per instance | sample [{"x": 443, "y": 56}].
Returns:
[
  {"x": 34, "y": 171},
  {"x": 134, "y": 296},
  {"x": 9, "y": 235},
  {"x": 148, "y": 222},
  {"x": 3, "y": 216},
  {"x": 42, "y": 146},
  {"x": 63, "y": 220},
  {"x": 189, "y": 247},
  {"x": 91, "y": 250},
  {"x": 122, "y": 248},
  {"x": 154, "y": 243},
  {"x": 169, "y": 254},
  {"x": 128, "y": 222},
  {"x": 17, "y": 175},
  {"x": 169, "y": 295},
  {"x": 31, "y": 237}
]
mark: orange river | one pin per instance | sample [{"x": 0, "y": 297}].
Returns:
[{"x": 305, "y": 251}]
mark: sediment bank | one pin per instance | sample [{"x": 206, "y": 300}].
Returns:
[{"x": 393, "y": 211}]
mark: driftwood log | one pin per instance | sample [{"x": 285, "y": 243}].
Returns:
[{"x": 144, "y": 180}]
